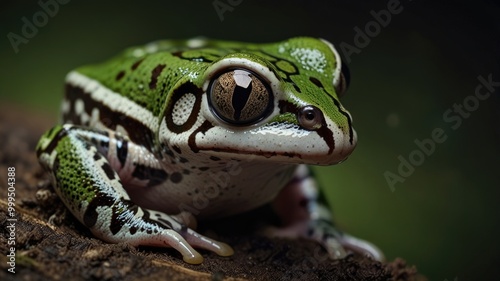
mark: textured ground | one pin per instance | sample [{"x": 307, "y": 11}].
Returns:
[{"x": 52, "y": 245}]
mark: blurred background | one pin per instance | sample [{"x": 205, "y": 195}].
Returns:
[{"x": 411, "y": 74}]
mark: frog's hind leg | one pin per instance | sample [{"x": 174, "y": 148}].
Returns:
[
  {"x": 303, "y": 212},
  {"x": 77, "y": 159}
]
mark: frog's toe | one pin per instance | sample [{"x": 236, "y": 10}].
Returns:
[
  {"x": 189, "y": 255},
  {"x": 336, "y": 243},
  {"x": 220, "y": 248},
  {"x": 341, "y": 244},
  {"x": 173, "y": 239},
  {"x": 187, "y": 219},
  {"x": 362, "y": 246},
  {"x": 335, "y": 248},
  {"x": 185, "y": 241},
  {"x": 193, "y": 259}
]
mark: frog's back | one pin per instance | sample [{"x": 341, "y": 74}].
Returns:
[
  {"x": 128, "y": 91},
  {"x": 141, "y": 74},
  {"x": 147, "y": 74}
]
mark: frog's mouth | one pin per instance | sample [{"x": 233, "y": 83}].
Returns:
[{"x": 277, "y": 141}]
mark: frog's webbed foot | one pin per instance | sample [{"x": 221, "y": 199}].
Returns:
[
  {"x": 159, "y": 229},
  {"x": 367, "y": 248},
  {"x": 86, "y": 164},
  {"x": 337, "y": 243},
  {"x": 303, "y": 216}
]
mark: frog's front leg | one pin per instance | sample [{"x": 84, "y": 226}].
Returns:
[
  {"x": 85, "y": 165},
  {"x": 302, "y": 213}
]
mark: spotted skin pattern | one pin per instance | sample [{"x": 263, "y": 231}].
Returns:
[{"x": 152, "y": 140}]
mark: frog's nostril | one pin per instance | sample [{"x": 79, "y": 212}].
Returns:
[{"x": 310, "y": 117}]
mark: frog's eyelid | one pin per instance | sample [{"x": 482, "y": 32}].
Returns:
[
  {"x": 347, "y": 74},
  {"x": 262, "y": 70},
  {"x": 339, "y": 77},
  {"x": 345, "y": 79}
]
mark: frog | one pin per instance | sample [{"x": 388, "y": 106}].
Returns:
[{"x": 173, "y": 132}]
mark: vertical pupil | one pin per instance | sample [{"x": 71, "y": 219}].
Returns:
[{"x": 240, "y": 98}]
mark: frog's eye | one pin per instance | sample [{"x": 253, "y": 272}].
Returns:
[
  {"x": 310, "y": 117},
  {"x": 343, "y": 83},
  {"x": 240, "y": 97}
]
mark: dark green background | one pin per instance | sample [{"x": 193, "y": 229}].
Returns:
[{"x": 444, "y": 217}]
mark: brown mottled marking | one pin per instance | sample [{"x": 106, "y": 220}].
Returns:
[
  {"x": 136, "y": 64},
  {"x": 155, "y": 74},
  {"x": 316, "y": 82},
  {"x": 120, "y": 75}
]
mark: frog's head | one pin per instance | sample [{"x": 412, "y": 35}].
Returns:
[{"x": 276, "y": 101}]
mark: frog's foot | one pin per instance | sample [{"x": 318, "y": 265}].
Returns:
[
  {"x": 337, "y": 244},
  {"x": 330, "y": 243},
  {"x": 141, "y": 227},
  {"x": 302, "y": 215},
  {"x": 162, "y": 230},
  {"x": 361, "y": 246}
]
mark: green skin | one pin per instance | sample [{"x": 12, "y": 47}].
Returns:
[
  {"x": 282, "y": 63},
  {"x": 175, "y": 131}
]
